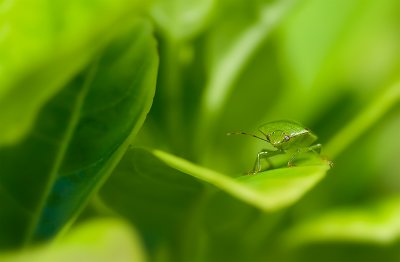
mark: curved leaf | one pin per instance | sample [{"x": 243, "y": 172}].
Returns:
[
  {"x": 170, "y": 199},
  {"x": 270, "y": 190},
  {"x": 79, "y": 137},
  {"x": 97, "y": 240}
]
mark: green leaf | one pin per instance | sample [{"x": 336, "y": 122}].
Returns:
[
  {"x": 79, "y": 137},
  {"x": 377, "y": 223},
  {"x": 42, "y": 45},
  {"x": 269, "y": 191},
  {"x": 96, "y": 240},
  {"x": 171, "y": 201}
]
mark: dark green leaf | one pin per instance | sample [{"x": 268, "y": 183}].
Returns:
[{"x": 79, "y": 137}]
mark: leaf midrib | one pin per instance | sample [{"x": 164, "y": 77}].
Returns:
[{"x": 73, "y": 122}]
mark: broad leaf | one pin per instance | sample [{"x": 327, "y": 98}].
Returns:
[
  {"x": 79, "y": 137},
  {"x": 98, "y": 240}
]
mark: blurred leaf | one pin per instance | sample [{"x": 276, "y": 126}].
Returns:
[
  {"x": 307, "y": 43},
  {"x": 377, "y": 223},
  {"x": 79, "y": 137},
  {"x": 158, "y": 199},
  {"x": 324, "y": 61},
  {"x": 98, "y": 240},
  {"x": 182, "y": 19},
  {"x": 42, "y": 45},
  {"x": 370, "y": 115},
  {"x": 230, "y": 47}
]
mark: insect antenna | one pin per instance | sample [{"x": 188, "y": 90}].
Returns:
[{"x": 244, "y": 133}]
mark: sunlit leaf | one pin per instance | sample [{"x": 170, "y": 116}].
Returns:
[
  {"x": 98, "y": 240},
  {"x": 269, "y": 190}
]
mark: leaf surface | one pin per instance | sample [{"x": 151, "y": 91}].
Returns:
[
  {"x": 270, "y": 190},
  {"x": 79, "y": 137}
]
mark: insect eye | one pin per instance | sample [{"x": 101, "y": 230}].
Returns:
[{"x": 287, "y": 138}]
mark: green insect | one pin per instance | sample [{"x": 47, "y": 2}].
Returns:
[{"x": 287, "y": 137}]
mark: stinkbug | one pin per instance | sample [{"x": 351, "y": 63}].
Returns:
[{"x": 287, "y": 137}]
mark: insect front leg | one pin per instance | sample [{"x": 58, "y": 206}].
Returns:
[{"x": 266, "y": 154}]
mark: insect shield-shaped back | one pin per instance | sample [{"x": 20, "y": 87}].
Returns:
[{"x": 277, "y": 138}]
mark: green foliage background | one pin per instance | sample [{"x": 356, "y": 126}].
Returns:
[{"x": 113, "y": 117}]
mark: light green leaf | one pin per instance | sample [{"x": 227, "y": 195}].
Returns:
[
  {"x": 270, "y": 190},
  {"x": 98, "y": 240},
  {"x": 377, "y": 223},
  {"x": 323, "y": 63},
  {"x": 79, "y": 137},
  {"x": 42, "y": 45}
]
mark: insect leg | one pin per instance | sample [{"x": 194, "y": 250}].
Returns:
[
  {"x": 317, "y": 149},
  {"x": 314, "y": 148},
  {"x": 266, "y": 154},
  {"x": 293, "y": 157}
]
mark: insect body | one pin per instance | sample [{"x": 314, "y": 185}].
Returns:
[{"x": 286, "y": 137}]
